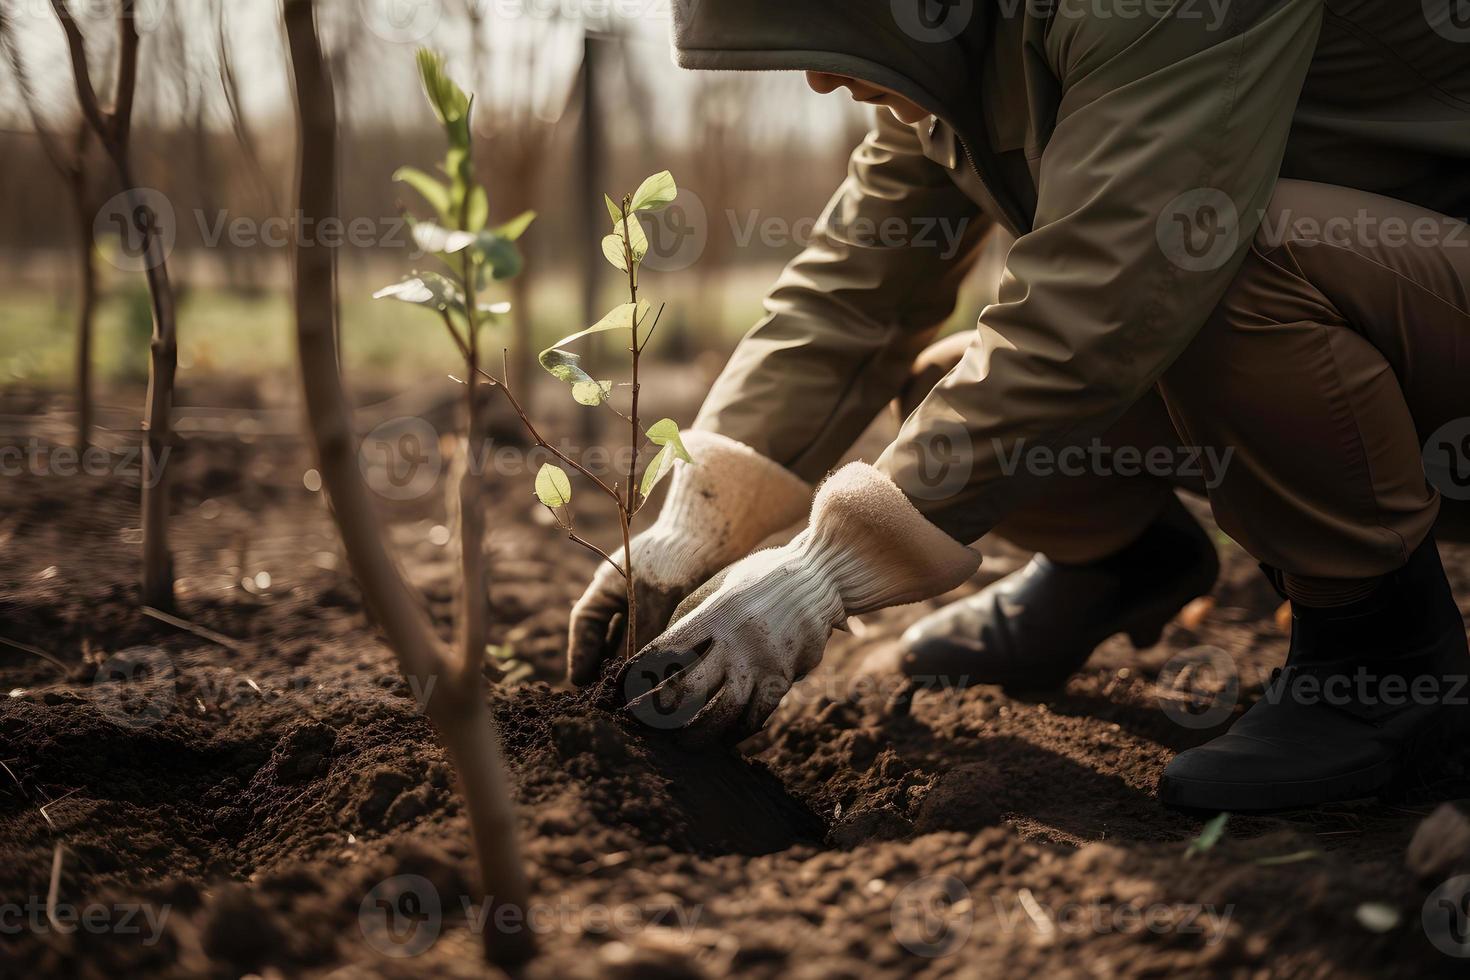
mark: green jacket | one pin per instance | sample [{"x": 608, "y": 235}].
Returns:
[{"x": 1099, "y": 133}]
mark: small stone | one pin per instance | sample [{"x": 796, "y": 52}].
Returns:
[{"x": 1441, "y": 844}]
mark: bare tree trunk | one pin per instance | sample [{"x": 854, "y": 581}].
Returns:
[
  {"x": 454, "y": 687},
  {"x": 589, "y": 199},
  {"x": 86, "y": 305},
  {"x": 113, "y": 127},
  {"x": 163, "y": 351}
]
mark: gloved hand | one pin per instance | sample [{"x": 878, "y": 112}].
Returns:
[
  {"x": 763, "y": 623},
  {"x": 718, "y": 508}
]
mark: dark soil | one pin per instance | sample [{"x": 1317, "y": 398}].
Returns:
[{"x": 275, "y": 804}]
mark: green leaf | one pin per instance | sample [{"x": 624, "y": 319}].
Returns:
[
  {"x": 563, "y": 365},
  {"x": 612, "y": 247},
  {"x": 655, "y": 192},
  {"x": 665, "y": 432},
  {"x": 620, "y": 317},
  {"x": 425, "y": 289},
  {"x": 566, "y": 365},
  {"x": 429, "y": 187},
  {"x": 658, "y": 468},
  {"x": 447, "y": 99},
  {"x": 478, "y": 210},
  {"x": 1209, "y": 836},
  {"x": 552, "y": 486},
  {"x": 591, "y": 392},
  {"x": 500, "y": 254},
  {"x": 640, "y": 240},
  {"x": 440, "y": 240},
  {"x": 515, "y": 227},
  {"x": 614, "y": 211}
]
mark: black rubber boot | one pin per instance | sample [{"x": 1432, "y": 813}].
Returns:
[
  {"x": 1364, "y": 686},
  {"x": 1032, "y": 630}
]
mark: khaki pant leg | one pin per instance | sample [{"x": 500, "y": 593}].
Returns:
[
  {"x": 1073, "y": 519},
  {"x": 1341, "y": 346}
]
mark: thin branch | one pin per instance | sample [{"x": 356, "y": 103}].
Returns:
[
  {"x": 459, "y": 341},
  {"x": 54, "y": 891},
  {"x": 86, "y": 94},
  {"x": 49, "y": 143},
  {"x": 127, "y": 72},
  {"x": 541, "y": 441},
  {"x": 35, "y": 652},
  {"x": 46, "y": 816},
  {"x": 573, "y": 536},
  {"x": 230, "y": 84},
  {"x": 651, "y": 328},
  {"x": 199, "y": 631},
  {"x": 19, "y": 785}
]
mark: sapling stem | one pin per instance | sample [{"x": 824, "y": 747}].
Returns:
[
  {"x": 473, "y": 625},
  {"x": 634, "y": 442}
]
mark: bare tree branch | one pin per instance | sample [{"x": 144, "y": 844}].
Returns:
[{"x": 86, "y": 94}]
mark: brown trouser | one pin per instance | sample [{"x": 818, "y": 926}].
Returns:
[{"x": 1302, "y": 406}]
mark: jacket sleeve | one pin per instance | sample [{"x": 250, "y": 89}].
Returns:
[
  {"x": 1166, "y": 147},
  {"x": 850, "y": 313}
]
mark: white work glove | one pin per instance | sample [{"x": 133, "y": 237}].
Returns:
[
  {"x": 718, "y": 509},
  {"x": 763, "y": 623}
]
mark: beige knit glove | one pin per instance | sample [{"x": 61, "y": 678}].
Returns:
[
  {"x": 718, "y": 509},
  {"x": 765, "y": 621}
]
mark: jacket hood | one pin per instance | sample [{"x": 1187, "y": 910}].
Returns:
[{"x": 883, "y": 42}]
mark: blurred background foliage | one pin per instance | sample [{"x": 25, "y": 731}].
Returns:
[{"x": 572, "y": 98}]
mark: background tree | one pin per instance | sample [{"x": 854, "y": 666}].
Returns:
[
  {"x": 68, "y": 155},
  {"x": 113, "y": 128}
]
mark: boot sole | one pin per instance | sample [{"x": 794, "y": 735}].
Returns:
[{"x": 1191, "y": 794}]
